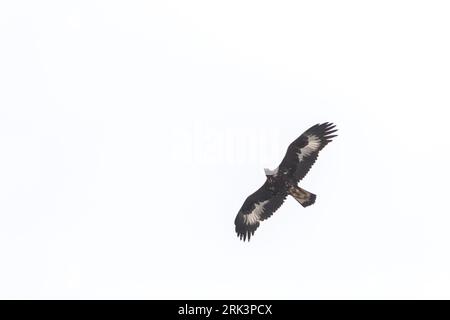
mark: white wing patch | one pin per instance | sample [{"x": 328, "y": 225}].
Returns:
[
  {"x": 313, "y": 145},
  {"x": 255, "y": 215}
]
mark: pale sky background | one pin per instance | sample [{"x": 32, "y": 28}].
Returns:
[{"x": 131, "y": 132}]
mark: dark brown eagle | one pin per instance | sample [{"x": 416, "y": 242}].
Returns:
[{"x": 281, "y": 182}]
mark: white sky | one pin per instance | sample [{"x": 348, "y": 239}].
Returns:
[{"x": 131, "y": 132}]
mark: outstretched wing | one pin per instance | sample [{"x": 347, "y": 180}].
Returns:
[
  {"x": 256, "y": 208},
  {"x": 303, "y": 152}
]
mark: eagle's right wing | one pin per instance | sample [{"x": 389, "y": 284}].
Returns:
[
  {"x": 256, "y": 208},
  {"x": 303, "y": 152}
]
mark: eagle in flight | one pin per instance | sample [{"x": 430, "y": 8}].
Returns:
[{"x": 281, "y": 182}]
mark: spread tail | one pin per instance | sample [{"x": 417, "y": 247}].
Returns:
[{"x": 305, "y": 198}]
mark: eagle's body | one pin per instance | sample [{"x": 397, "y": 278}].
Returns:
[{"x": 281, "y": 182}]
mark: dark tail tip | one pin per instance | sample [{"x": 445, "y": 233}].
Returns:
[{"x": 310, "y": 201}]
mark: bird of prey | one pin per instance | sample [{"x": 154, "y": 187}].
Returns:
[{"x": 281, "y": 182}]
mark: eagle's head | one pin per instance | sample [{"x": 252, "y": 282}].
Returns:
[{"x": 269, "y": 172}]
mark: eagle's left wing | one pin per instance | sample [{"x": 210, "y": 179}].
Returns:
[
  {"x": 256, "y": 208},
  {"x": 303, "y": 152}
]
